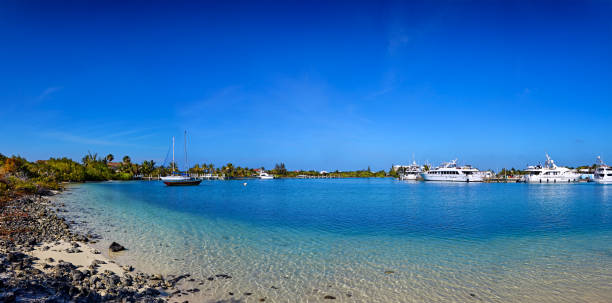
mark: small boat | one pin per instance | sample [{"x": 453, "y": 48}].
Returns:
[
  {"x": 451, "y": 172},
  {"x": 411, "y": 172},
  {"x": 264, "y": 175},
  {"x": 179, "y": 180},
  {"x": 603, "y": 173},
  {"x": 550, "y": 173}
]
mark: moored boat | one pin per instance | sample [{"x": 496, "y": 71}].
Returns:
[
  {"x": 179, "y": 180},
  {"x": 603, "y": 173},
  {"x": 264, "y": 175},
  {"x": 451, "y": 172},
  {"x": 411, "y": 172},
  {"x": 550, "y": 173}
]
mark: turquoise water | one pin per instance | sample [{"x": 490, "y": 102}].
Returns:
[{"x": 341, "y": 237}]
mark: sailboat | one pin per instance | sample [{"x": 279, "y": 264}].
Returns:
[{"x": 179, "y": 180}]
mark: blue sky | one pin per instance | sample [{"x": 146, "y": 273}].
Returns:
[{"x": 311, "y": 84}]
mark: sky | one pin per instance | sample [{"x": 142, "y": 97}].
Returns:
[{"x": 317, "y": 85}]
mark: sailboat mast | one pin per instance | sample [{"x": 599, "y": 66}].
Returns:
[
  {"x": 186, "y": 165},
  {"x": 173, "y": 154}
]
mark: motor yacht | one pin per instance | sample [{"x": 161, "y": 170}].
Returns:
[
  {"x": 603, "y": 173},
  {"x": 264, "y": 175},
  {"x": 451, "y": 172},
  {"x": 411, "y": 172},
  {"x": 550, "y": 173}
]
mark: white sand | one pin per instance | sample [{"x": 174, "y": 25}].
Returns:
[
  {"x": 88, "y": 254},
  {"x": 58, "y": 252}
]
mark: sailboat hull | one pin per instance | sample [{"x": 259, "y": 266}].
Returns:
[{"x": 183, "y": 183}]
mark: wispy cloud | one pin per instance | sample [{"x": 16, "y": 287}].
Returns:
[
  {"x": 63, "y": 136},
  {"x": 48, "y": 92},
  {"x": 119, "y": 138},
  {"x": 379, "y": 93}
]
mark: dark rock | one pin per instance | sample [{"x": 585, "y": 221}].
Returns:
[
  {"x": 329, "y": 297},
  {"x": 7, "y": 297},
  {"x": 115, "y": 247},
  {"x": 231, "y": 293},
  {"x": 248, "y": 293},
  {"x": 223, "y": 276}
]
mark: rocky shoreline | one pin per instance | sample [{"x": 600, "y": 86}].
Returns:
[{"x": 30, "y": 229}]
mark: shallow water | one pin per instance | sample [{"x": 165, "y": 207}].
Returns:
[{"x": 343, "y": 237}]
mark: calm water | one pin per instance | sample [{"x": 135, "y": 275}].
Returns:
[{"x": 311, "y": 238}]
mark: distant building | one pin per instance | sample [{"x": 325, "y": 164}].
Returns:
[
  {"x": 398, "y": 167},
  {"x": 323, "y": 172},
  {"x": 114, "y": 165}
]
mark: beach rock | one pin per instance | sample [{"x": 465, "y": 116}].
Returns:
[
  {"x": 157, "y": 277},
  {"x": 328, "y": 297},
  {"x": 115, "y": 247},
  {"x": 388, "y": 272}
]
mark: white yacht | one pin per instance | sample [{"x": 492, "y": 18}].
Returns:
[
  {"x": 550, "y": 173},
  {"x": 264, "y": 175},
  {"x": 603, "y": 173},
  {"x": 411, "y": 172},
  {"x": 450, "y": 172}
]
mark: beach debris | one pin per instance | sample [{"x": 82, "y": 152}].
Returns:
[
  {"x": 388, "y": 272},
  {"x": 329, "y": 297},
  {"x": 248, "y": 293},
  {"x": 115, "y": 247}
]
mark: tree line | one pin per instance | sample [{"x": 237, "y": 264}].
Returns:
[{"x": 17, "y": 175}]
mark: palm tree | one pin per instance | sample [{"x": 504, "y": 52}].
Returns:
[
  {"x": 110, "y": 158},
  {"x": 127, "y": 160}
]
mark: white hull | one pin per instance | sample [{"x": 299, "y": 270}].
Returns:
[
  {"x": 409, "y": 177},
  {"x": 452, "y": 178},
  {"x": 265, "y": 177},
  {"x": 599, "y": 181},
  {"x": 175, "y": 178},
  {"x": 552, "y": 179}
]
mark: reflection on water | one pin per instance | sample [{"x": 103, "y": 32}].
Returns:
[{"x": 311, "y": 238}]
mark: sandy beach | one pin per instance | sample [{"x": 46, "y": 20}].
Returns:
[{"x": 42, "y": 259}]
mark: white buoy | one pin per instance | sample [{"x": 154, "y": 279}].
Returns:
[{"x": 244, "y": 183}]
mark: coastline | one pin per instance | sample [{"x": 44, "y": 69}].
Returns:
[{"x": 42, "y": 259}]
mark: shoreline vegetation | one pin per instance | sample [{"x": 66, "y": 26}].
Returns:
[{"x": 19, "y": 176}]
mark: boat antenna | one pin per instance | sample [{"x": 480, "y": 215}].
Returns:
[{"x": 173, "y": 164}]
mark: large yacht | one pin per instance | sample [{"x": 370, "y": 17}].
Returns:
[
  {"x": 603, "y": 173},
  {"x": 550, "y": 173},
  {"x": 411, "y": 172},
  {"x": 451, "y": 172}
]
